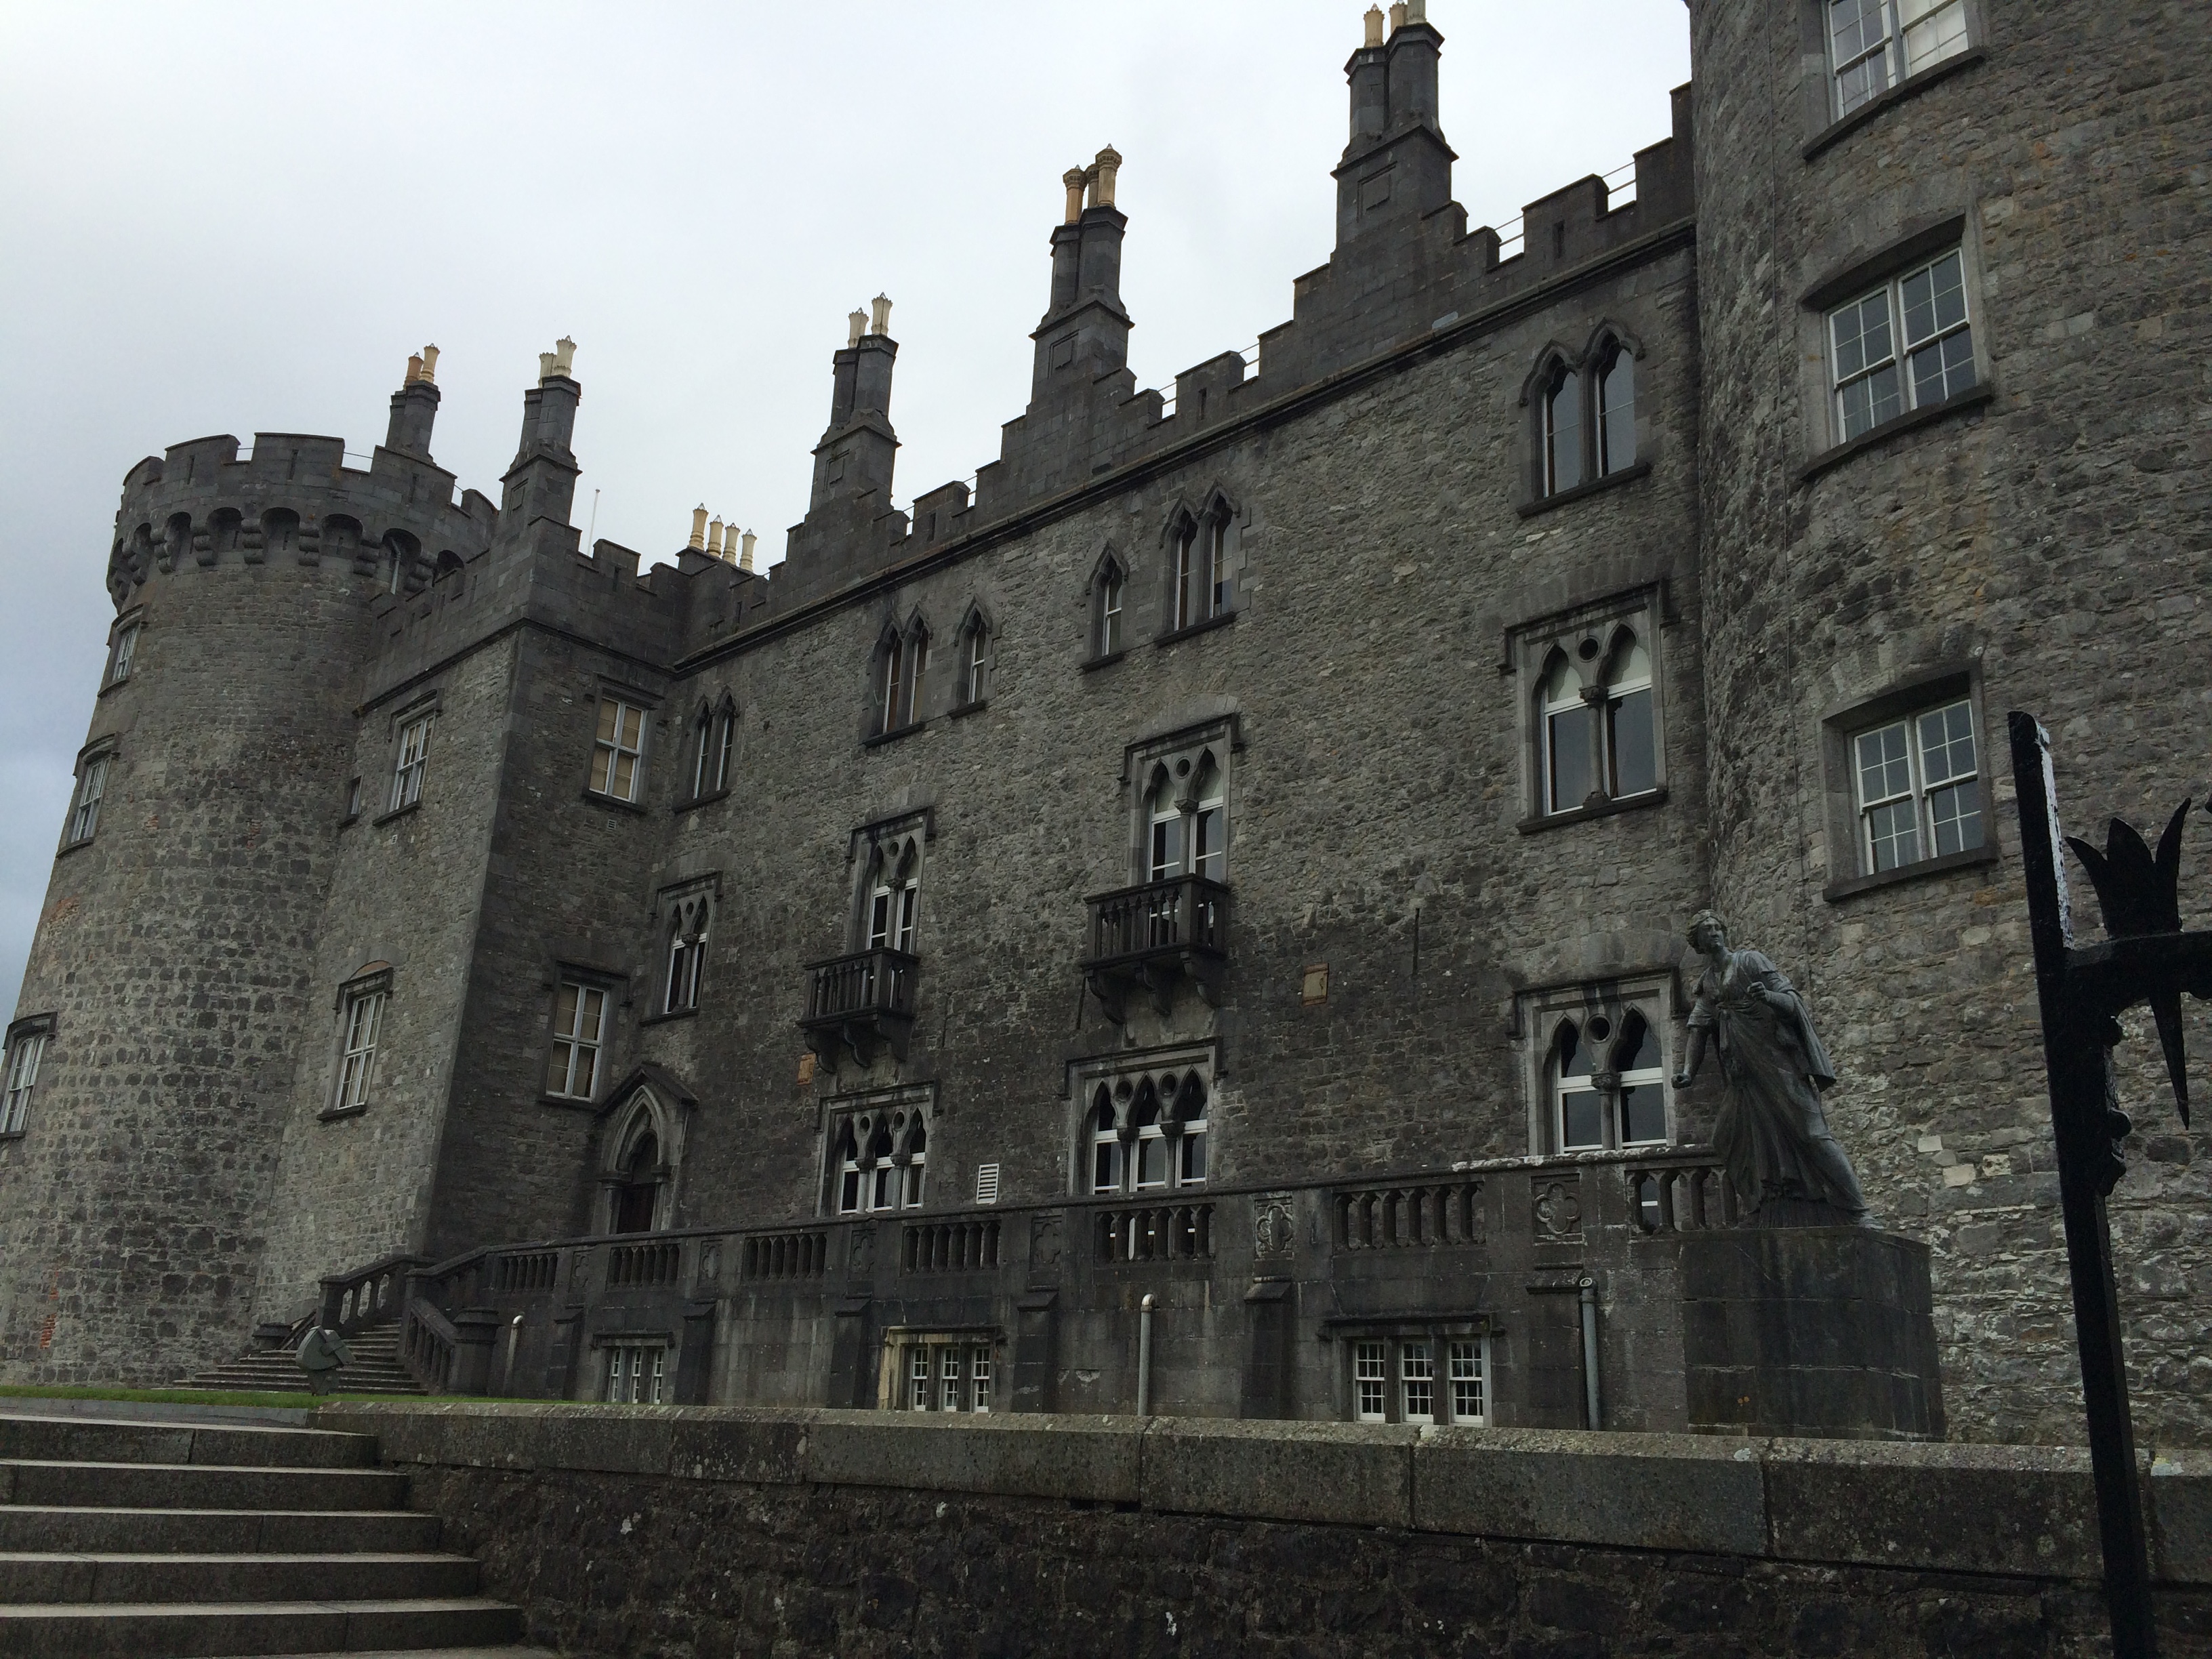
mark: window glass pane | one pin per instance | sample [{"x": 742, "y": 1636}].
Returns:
[
  {"x": 1934, "y": 30},
  {"x": 1944, "y": 369},
  {"x": 1465, "y": 1360},
  {"x": 1643, "y": 1113},
  {"x": 1417, "y": 1373},
  {"x": 625, "y": 776},
  {"x": 1638, "y": 1048},
  {"x": 1947, "y": 743},
  {"x": 1893, "y": 838},
  {"x": 1884, "y": 771},
  {"x": 608, "y": 712},
  {"x": 1861, "y": 334},
  {"x": 979, "y": 1381},
  {"x": 1151, "y": 1159},
  {"x": 1167, "y": 844},
  {"x": 1193, "y": 1155},
  {"x": 1616, "y": 427},
  {"x": 1580, "y": 1124},
  {"x": 1635, "y": 763},
  {"x": 1207, "y": 851},
  {"x": 1563, "y": 435},
  {"x": 1571, "y": 1061},
  {"x": 1956, "y": 814},
  {"x": 918, "y": 1400},
  {"x": 1368, "y": 1379},
  {"x": 1105, "y": 1168},
  {"x": 949, "y": 1373},
  {"x": 1567, "y": 747}
]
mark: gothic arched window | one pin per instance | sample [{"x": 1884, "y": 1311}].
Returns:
[
  {"x": 1563, "y": 430},
  {"x": 687, "y": 951},
  {"x": 1616, "y": 410}
]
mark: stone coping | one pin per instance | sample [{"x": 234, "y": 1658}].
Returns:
[{"x": 2027, "y": 1511}]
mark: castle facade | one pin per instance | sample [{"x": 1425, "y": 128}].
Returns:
[{"x": 1217, "y": 887}]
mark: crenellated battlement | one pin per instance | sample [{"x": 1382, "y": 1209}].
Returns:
[{"x": 293, "y": 496}]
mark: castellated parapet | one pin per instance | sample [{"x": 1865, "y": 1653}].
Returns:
[{"x": 884, "y": 808}]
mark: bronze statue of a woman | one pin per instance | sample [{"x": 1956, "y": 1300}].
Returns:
[{"x": 1771, "y": 1133}]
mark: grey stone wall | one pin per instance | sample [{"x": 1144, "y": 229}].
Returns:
[
  {"x": 2051, "y": 540},
  {"x": 652, "y": 1532}
]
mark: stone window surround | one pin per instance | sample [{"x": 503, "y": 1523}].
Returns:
[
  {"x": 1653, "y": 991},
  {"x": 1644, "y": 607},
  {"x": 661, "y": 919},
  {"x": 707, "y": 726},
  {"x": 425, "y": 706},
  {"x": 100, "y": 751},
  {"x": 41, "y": 1026},
  {"x": 603, "y": 691},
  {"x": 616, "y": 984},
  {"x": 974, "y": 620},
  {"x": 1214, "y": 502},
  {"x": 1918, "y": 241},
  {"x": 605, "y": 1346},
  {"x": 133, "y": 622},
  {"x": 895, "y": 1351},
  {"x": 898, "y": 643},
  {"x": 1583, "y": 365},
  {"x": 1823, "y": 128},
  {"x": 374, "y": 980},
  {"x": 1223, "y": 737},
  {"x": 1084, "y": 1077},
  {"x": 1938, "y": 684},
  {"x": 1107, "y": 564},
  {"x": 868, "y": 1105},
  {"x": 899, "y": 837},
  {"x": 1439, "y": 1331}
]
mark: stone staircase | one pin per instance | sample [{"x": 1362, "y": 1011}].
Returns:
[
  {"x": 376, "y": 1368},
  {"x": 146, "y": 1540}
]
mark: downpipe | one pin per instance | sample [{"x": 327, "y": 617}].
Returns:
[
  {"x": 1588, "y": 1287},
  {"x": 1144, "y": 1355}
]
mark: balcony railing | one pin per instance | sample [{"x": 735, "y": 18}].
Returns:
[
  {"x": 643, "y": 1264},
  {"x": 1425, "y": 1214},
  {"x": 860, "y": 1005},
  {"x": 1675, "y": 1193},
  {"x": 786, "y": 1255},
  {"x": 1154, "y": 1232},
  {"x": 1151, "y": 936},
  {"x": 942, "y": 1246}
]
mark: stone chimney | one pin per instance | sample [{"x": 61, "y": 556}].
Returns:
[
  {"x": 541, "y": 482},
  {"x": 1085, "y": 330},
  {"x": 415, "y": 406},
  {"x": 859, "y": 445},
  {"x": 1397, "y": 166}
]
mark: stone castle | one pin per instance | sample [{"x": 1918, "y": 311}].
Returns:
[{"x": 1196, "y": 920}]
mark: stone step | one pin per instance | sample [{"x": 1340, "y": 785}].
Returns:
[
  {"x": 231, "y": 1532},
  {"x": 197, "y": 1486},
  {"x": 45, "y": 1576},
  {"x": 197, "y": 1630},
  {"x": 74, "y": 1439}
]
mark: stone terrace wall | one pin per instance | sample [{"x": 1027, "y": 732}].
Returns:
[{"x": 671, "y": 1531}]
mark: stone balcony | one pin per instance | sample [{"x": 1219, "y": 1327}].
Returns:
[{"x": 860, "y": 1006}]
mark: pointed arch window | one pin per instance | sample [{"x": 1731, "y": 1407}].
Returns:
[
  {"x": 881, "y": 1157},
  {"x": 714, "y": 736},
  {"x": 1188, "y": 822},
  {"x": 1594, "y": 709},
  {"x": 901, "y": 674},
  {"x": 1106, "y": 636},
  {"x": 1563, "y": 430},
  {"x": 1201, "y": 574},
  {"x": 1602, "y": 1066},
  {"x": 975, "y": 660},
  {"x": 1616, "y": 410},
  {"x": 689, "y": 916},
  {"x": 640, "y": 1170},
  {"x": 1146, "y": 1130}
]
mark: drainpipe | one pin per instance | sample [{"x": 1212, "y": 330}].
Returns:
[
  {"x": 1589, "y": 1350},
  {"x": 514, "y": 1336},
  {"x": 1144, "y": 1355}
]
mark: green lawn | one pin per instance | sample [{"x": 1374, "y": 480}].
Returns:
[{"x": 300, "y": 1401}]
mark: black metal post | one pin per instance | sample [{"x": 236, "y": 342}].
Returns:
[{"x": 2079, "y": 1059}]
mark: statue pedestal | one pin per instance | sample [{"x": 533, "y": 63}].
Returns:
[{"x": 1819, "y": 1331}]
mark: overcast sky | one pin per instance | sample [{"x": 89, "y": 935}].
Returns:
[{"x": 219, "y": 219}]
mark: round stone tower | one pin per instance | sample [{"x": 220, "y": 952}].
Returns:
[
  {"x": 1947, "y": 399},
  {"x": 170, "y": 974}
]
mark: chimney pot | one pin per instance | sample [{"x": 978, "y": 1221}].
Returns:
[
  {"x": 881, "y": 323},
  {"x": 1374, "y": 21},
  {"x": 545, "y": 365},
  {"x": 430, "y": 363},
  {"x": 564, "y": 355},
  {"x": 745, "y": 551},
  {"x": 414, "y": 370},
  {"x": 1073, "y": 178},
  {"x": 715, "y": 537},
  {"x": 856, "y": 324},
  {"x": 1397, "y": 15},
  {"x": 1416, "y": 11},
  {"x": 699, "y": 526},
  {"x": 1108, "y": 164}
]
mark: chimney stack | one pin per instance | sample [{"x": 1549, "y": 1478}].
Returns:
[
  {"x": 414, "y": 407},
  {"x": 1085, "y": 332},
  {"x": 1397, "y": 167},
  {"x": 857, "y": 449}
]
